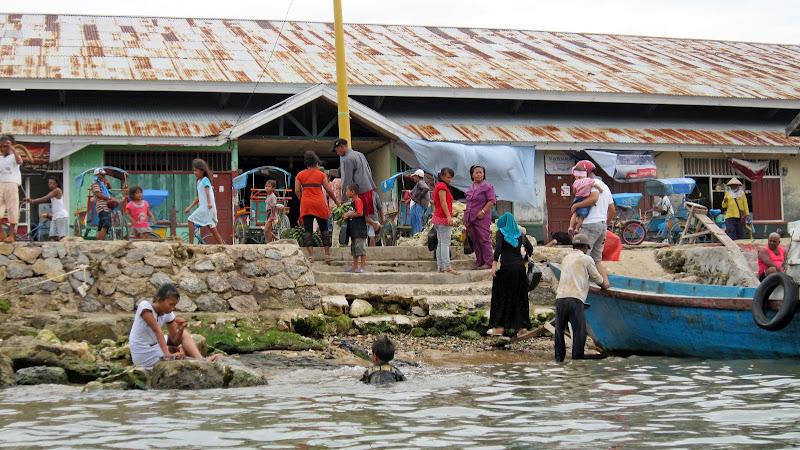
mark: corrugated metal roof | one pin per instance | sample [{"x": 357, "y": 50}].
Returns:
[
  {"x": 236, "y": 51},
  {"x": 541, "y": 131},
  {"x": 119, "y": 122}
]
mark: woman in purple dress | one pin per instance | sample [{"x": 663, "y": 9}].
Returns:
[{"x": 478, "y": 216}]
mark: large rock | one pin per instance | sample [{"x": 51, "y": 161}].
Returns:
[
  {"x": 138, "y": 270},
  {"x": 6, "y": 371},
  {"x": 130, "y": 378},
  {"x": 222, "y": 262},
  {"x": 281, "y": 281},
  {"x": 187, "y": 374},
  {"x": 159, "y": 278},
  {"x": 158, "y": 261},
  {"x": 218, "y": 283},
  {"x": 335, "y": 305},
  {"x": 92, "y": 330},
  {"x": 238, "y": 375},
  {"x": 41, "y": 375},
  {"x": 383, "y": 324},
  {"x": 27, "y": 253},
  {"x": 360, "y": 308},
  {"x": 211, "y": 303},
  {"x": 185, "y": 304},
  {"x": 204, "y": 265},
  {"x": 75, "y": 358},
  {"x": 244, "y": 304}
]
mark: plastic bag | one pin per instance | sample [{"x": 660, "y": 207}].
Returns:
[{"x": 534, "y": 276}]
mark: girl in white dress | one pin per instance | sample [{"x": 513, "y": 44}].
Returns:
[
  {"x": 147, "y": 342},
  {"x": 206, "y": 213}
]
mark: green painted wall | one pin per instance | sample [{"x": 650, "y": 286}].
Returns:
[{"x": 181, "y": 186}]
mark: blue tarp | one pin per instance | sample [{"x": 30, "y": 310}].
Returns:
[
  {"x": 508, "y": 168},
  {"x": 670, "y": 186}
]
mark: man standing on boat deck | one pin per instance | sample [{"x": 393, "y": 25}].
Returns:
[
  {"x": 577, "y": 270},
  {"x": 603, "y": 210}
]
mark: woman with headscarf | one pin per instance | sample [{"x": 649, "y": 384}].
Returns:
[
  {"x": 736, "y": 209},
  {"x": 478, "y": 216},
  {"x": 509, "y": 307}
]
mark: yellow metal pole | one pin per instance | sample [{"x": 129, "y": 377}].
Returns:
[{"x": 341, "y": 74}]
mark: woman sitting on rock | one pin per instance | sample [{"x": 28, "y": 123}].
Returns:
[{"x": 148, "y": 344}]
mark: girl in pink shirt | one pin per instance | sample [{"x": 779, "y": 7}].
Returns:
[
  {"x": 582, "y": 187},
  {"x": 138, "y": 211}
]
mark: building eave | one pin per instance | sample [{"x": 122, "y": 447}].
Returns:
[{"x": 393, "y": 91}]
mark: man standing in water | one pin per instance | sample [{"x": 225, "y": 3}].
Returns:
[
  {"x": 354, "y": 169},
  {"x": 577, "y": 269}
]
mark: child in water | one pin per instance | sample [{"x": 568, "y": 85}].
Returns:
[
  {"x": 138, "y": 210},
  {"x": 582, "y": 187},
  {"x": 381, "y": 371},
  {"x": 148, "y": 344}
]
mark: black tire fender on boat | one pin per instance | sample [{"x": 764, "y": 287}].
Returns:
[{"x": 761, "y": 299}]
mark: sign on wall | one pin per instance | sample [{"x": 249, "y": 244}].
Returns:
[
  {"x": 558, "y": 164},
  {"x": 36, "y": 155}
]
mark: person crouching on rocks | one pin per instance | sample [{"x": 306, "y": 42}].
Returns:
[
  {"x": 148, "y": 344},
  {"x": 381, "y": 371}
]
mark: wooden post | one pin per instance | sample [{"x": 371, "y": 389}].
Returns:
[{"x": 173, "y": 223}]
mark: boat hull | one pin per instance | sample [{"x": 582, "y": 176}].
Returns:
[{"x": 675, "y": 319}]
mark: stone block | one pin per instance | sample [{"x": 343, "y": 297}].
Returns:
[
  {"x": 218, "y": 283},
  {"x": 240, "y": 283},
  {"x": 138, "y": 270},
  {"x": 90, "y": 304},
  {"x": 135, "y": 288},
  {"x": 272, "y": 267},
  {"x": 50, "y": 267},
  {"x": 192, "y": 283},
  {"x": 222, "y": 262},
  {"x": 244, "y": 304},
  {"x": 159, "y": 278},
  {"x": 158, "y": 261},
  {"x": 281, "y": 281},
  {"x": 273, "y": 254},
  {"x": 294, "y": 268},
  {"x": 211, "y": 303},
  {"x": 203, "y": 265},
  {"x": 17, "y": 270},
  {"x": 252, "y": 270},
  {"x": 185, "y": 304},
  {"x": 6, "y": 248},
  {"x": 335, "y": 305},
  {"x": 124, "y": 302},
  {"x": 6, "y": 371},
  {"x": 27, "y": 253},
  {"x": 307, "y": 279},
  {"x": 106, "y": 288}
]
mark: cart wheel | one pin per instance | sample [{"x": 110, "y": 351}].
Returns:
[
  {"x": 240, "y": 231},
  {"x": 633, "y": 233}
]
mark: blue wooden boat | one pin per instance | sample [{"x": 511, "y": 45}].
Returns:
[{"x": 649, "y": 317}]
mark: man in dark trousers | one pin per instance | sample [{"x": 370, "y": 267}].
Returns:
[
  {"x": 577, "y": 270},
  {"x": 354, "y": 169}
]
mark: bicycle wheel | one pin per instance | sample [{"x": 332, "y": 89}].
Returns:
[
  {"x": 240, "y": 231},
  {"x": 633, "y": 232}
]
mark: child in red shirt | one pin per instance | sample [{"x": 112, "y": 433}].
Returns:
[
  {"x": 138, "y": 211},
  {"x": 357, "y": 229}
]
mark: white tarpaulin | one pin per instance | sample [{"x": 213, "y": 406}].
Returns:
[
  {"x": 625, "y": 167},
  {"x": 509, "y": 169}
]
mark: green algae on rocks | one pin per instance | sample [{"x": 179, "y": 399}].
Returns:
[{"x": 245, "y": 336}]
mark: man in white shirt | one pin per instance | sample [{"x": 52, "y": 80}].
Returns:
[
  {"x": 10, "y": 180},
  {"x": 603, "y": 210},
  {"x": 577, "y": 270}
]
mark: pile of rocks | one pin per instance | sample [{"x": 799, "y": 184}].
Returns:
[{"x": 112, "y": 276}]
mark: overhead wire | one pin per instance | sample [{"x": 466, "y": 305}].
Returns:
[{"x": 263, "y": 71}]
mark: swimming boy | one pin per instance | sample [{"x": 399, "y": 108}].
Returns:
[{"x": 381, "y": 371}]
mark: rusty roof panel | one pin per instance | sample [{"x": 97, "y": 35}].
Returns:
[
  {"x": 517, "y": 131},
  {"x": 33, "y": 121},
  {"x": 236, "y": 51}
]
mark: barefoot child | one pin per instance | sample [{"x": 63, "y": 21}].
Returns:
[
  {"x": 270, "y": 203},
  {"x": 138, "y": 211},
  {"x": 582, "y": 187},
  {"x": 357, "y": 229},
  {"x": 206, "y": 213},
  {"x": 58, "y": 213},
  {"x": 147, "y": 342},
  {"x": 381, "y": 371}
]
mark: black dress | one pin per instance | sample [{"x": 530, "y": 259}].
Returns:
[{"x": 509, "y": 307}]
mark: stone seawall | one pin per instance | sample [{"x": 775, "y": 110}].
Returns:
[{"x": 89, "y": 276}]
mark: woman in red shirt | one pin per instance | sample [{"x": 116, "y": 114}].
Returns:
[
  {"x": 309, "y": 185},
  {"x": 443, "y": 219}
]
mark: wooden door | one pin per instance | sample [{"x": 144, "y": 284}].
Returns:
[
  {"x": 558, "y": 196},
  {"x": 766, "y": 200},
  {"x": 223, "y": 195}
]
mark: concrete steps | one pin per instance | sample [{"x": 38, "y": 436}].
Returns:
[
  {"x": 407, "y": 292},
  {"x": 393, "y": 266},
  {"x": 390, "y": 254},
  {"x": 403, "y": 278}
]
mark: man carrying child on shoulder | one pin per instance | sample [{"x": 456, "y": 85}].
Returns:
[{"x": 381, "y": 371}]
